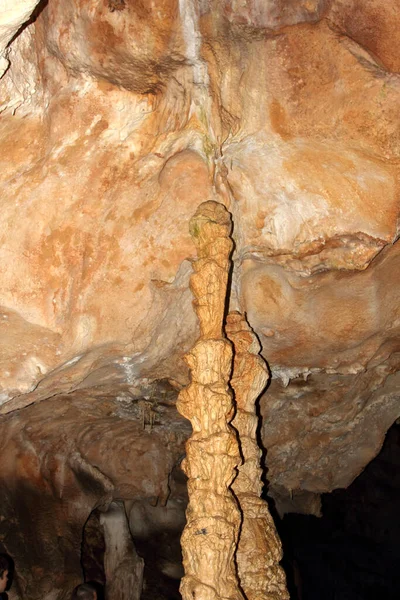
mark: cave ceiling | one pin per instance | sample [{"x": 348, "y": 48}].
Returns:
[{"x": 118, "y": 118}]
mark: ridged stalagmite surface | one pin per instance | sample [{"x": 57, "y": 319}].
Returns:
[
  {"x": 210, "y": 541},
  {"x": 210, "y": 538},
  {"x": 259, "y": 550}
]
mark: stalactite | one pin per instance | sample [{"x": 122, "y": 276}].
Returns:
[
  {"x": 209, "y": 540},
  {"x": 259, "y": 550}
]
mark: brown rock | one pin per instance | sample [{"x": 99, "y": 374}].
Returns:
[
  {"x": 372, "y": 25},
  {"x": 65, "y": 457},
  {"x": 274, "y": 14},
  {"x": 117, "y": 120},
  {"x": 107, "y": 40}
]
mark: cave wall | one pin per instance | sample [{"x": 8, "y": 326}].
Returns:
[
  {"x": 352, "y": 551},
  {"x": 117, "y": 119},
  {"x": 67, "y": 457}
]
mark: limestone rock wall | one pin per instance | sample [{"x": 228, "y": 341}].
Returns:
[
  {"x": 63, "y": 459},
  {"x": 118, "y": 119},
  {"x": 12, "y": 16}
]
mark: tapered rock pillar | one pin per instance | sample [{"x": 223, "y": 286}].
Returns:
[
  {"x": 123, "y": 566},
  {"x": 259, "y": 550},
  {"x": 210, "y": 538}
]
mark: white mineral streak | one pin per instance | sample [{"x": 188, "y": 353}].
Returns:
[
  {"x": 13, "y": 14},
  {"x": 259, "y": 551},
  {"x": 200, "y": 95},
  {"x": 210, "y": 538},
  {"x": 188, "y": 10}
]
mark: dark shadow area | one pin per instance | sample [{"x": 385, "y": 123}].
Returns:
[
  {"x": 7, "y": 559},
  {"x": 263, "y": 459},
  {"x": 11, "y": 571},
  {"x": 99, "y": 589},
  {"x": 92, "y": 553},
  {"x": 352, "y": 552},
  {"x": 229, "y": 284}
]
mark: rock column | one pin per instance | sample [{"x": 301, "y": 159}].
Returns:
[
  {"x": 259, "y": 550},
  {"x": 210, "y": 538},
  {"x": 123, "y": 566}
]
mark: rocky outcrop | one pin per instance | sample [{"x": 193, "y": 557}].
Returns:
[
  {"x": 359, "y": 526},
  {"x": 64, "y": 458},
  {"x": 12, "y": 16}
]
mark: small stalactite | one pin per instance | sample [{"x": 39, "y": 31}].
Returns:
[
  {"x": 259, "y": 550},
  {"x": 210, "y": 538}
]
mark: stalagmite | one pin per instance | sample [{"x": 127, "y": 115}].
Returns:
[
  {"x": 209, "y": 540},
  {"x": 218, "y": 563},
  {"x": 259, "y": 550},
  {"x": 123, "y": 566}
]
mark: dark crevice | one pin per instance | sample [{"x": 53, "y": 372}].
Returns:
[{"x": 352, "y": 552}]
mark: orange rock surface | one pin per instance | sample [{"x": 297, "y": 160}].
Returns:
[{"x": 118, "y": 118}]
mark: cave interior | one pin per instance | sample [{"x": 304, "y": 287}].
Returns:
[{"x": 199, "y": 307}]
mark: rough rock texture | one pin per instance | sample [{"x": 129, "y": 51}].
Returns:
[
  {"x": 360, "y": 528},
  {"x": 12, "y": 16},
  {"x": 157, "y": 530},
  {"x": 61, "y": 460},
  {"x": 122, "y": 566},
  {"x": 210, "y": 538},
  {"x": 259, "y": 549},
  {"x": 117, "y": 119},
  {"x": 216, "y": 539}
]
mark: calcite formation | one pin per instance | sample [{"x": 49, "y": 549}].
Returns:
[
  {"x": 211, "y": 542},
  {"x": 259, "y": 550},
  {"x": 122, "y": 565},
  {"x": 210, "y": 537},
  {"x": 117, "y": 119}
]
